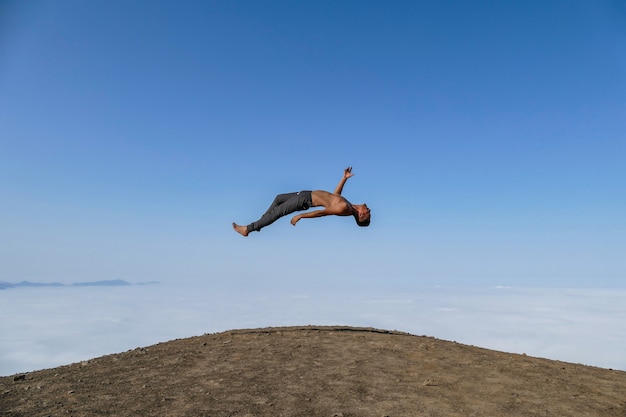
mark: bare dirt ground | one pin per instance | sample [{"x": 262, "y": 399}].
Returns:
[{"x": 315, "y": 371}]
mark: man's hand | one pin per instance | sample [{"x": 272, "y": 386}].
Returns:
[
  {"x": 295, "y": 219},
  {"x": 347, "y": 173}
]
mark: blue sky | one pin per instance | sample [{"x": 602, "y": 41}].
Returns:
[{"x": 488, "y": 138}]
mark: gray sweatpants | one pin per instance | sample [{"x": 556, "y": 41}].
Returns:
[{"x": 282, "y": 205}]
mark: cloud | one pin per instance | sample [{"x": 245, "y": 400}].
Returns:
[{"x": 48, "y": 327}]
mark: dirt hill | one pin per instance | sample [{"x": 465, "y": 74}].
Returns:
[{"x": 315, "y": 371}]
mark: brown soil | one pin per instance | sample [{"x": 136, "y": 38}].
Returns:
[{"x": 315, "y": 371}]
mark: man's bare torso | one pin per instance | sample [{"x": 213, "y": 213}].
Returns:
[{"x": 332, "y": 202}]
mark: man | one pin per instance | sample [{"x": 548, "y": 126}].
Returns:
[{"x": 334, "y": 204}]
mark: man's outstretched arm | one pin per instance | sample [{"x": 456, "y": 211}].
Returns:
[
  {"x": 310, "y": 215},
  {"x": 347, "y": 173},
  {"x": 333, "y": 211}
]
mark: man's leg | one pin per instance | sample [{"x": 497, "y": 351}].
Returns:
[
  {"x": 278, "y": 200},
  {"x": 282, "y": 205}
]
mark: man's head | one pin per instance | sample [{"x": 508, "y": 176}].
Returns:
[{"x": 362, "y": 215}]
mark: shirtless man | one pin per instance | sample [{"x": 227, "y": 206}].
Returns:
[{"x": 334, "y": 204}]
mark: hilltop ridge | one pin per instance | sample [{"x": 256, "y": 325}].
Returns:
[{"x": 315, "y": 371}]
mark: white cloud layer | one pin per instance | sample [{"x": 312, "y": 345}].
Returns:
[{"x": 48, "y": 327}]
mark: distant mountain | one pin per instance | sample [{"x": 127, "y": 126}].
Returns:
[
  {"x": 5, "y": 285},
  {"x": 111, "y": 283},
  {"x": 105, "y": 283}
]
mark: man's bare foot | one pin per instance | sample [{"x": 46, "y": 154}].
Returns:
[{"x": 242, "y": 230}]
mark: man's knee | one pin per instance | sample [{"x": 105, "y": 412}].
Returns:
[{"x": 281, "y": 198}]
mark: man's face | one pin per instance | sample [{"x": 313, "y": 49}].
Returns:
[{"x": 364, "y": 214}]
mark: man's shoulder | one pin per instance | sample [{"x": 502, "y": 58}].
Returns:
[{"x": 339, "y": 205}]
